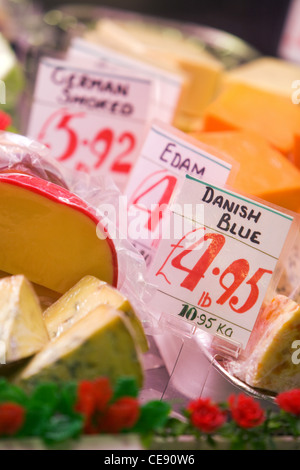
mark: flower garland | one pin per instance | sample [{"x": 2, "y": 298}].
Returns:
[{"x": 58, "y": 413}]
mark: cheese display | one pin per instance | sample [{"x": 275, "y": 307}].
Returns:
[
  {"x": 22, "y": 329},
  {"x": 49, "y": 235},
  {"x": 268, "y": 360},
  {"x": 100, "y": 344},
  {"x": 240, "y": 107},
  {"x": 104, "y": 292},
  {"x": 263, "y": 171},
  {"x": 169, "y": 49},
  {"x": 84, "y": 297},
  {"x": 271, "y": 74}
]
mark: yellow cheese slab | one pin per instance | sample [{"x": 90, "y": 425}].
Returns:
[
  {"x": 169, "y": 49},
  {"x": 202, "y": 69},
  {"x": 84, "y": 297},
  {"x": 22, "y": 329},
  {"x": 49, "y": 235},
  {"x": 271, "y": 74},
  {"x": 100, "y": 344}
]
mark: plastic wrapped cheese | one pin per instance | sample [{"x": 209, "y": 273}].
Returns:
[
  {"x": 100, "y": 344},
  {"x": 22, "y": 328},
  {"x": 242, "y": 107},
  {"x": 267, "y": 363}
]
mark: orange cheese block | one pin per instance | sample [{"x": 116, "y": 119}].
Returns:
[
  {"x": 296, "y": 152},
  {"x": 264, "y": 172},
  {"x": 243, "y": 107}
]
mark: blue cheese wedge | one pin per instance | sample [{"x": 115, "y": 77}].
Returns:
[
  {"x": 267, "y": 363},
  {"x": 84, "y": 297},
  {"x": 22, "y": 328},
  {"x": 100, "y": 344}
]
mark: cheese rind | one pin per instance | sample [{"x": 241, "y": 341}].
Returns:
[
  {"x": 22, "y": 329},
  {"x": 100, "y": 344},
  {"x": 263, "y": 171},
  {"x": 50, "y": 235},
  {"x": 84, "y": 297}
]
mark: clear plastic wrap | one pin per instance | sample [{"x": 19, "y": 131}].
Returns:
[{"x": 23, "y": 155}]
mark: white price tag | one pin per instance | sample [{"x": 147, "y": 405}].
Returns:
[
  {"x": 215, "y": 275},
  {"x": 166, "y": 157},
  {"x": 167, "y": 85},
  {"x": 92, "y": 121}
]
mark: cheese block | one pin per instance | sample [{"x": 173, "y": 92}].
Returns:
[
  {"x": 271, "y": 74},
  {"x": 241, "y": 107},
  {"x": 22, "y": 329},
  {"x": 50, "y": 235},
  {"x": 268, "y": 359},
  {"x": 204, "y": 70},
  {"x": 100, "y": 344},
  {"x": 263, "y": 171},
  {"x": 84, "y": 297},
  {"x": 168, "y": 48},
  {"x": 296, "y": 153}
]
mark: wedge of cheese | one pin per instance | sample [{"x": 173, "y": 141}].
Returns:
[
  {"x": 263, "y": 171},
  {"x": 270, "y": 74},
  {"x": 100, "y": 344},
  {"x": 242, "y": 107},
  {"x": 84, "y": 297},
  {"x": 50, "y": 235},
  {"x": 168, "y": 48},
  {"x": 268, "y": 362},
  {"x": 22, "y": 329}
]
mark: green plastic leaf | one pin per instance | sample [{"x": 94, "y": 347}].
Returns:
[
  {"x": 36, "y": 421},
  {"x": 67, "y": 398},
  {"x": 61, "y": 428},
  {"x": 12, "y": 393},
  {"x": 125, "y": 386},
  {"x": 154, "y": 416},
  {"x": 46, "y": 394}
]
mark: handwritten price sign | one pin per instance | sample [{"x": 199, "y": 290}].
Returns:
[
  {"x": 216, "y": 276},
  {"x": 168, "y": 85},
  {"x": 91, "y": 121},
  {"x": 166, "y": 157}
]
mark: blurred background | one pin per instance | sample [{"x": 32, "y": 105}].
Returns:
[{"x": 259, "y": 22}]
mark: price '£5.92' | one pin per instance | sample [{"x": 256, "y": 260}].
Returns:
[
  {"x": 91, "y": 121},
  {"x": 216, "y": 276}
]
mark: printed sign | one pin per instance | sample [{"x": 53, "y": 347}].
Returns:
[
  {"x": 166, "y": 157},
  {"x": 92, "y": 121},
  {"x": 167, "y": 85},
  {"x": 215, "y": 276}
]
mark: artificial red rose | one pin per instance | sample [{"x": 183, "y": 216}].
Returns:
[
  {"x": 289, "y": 401},
  {"x": 102, "y": 392},
  {"x": 120, "y": 415},
  {"x": 245, "y": 411},
  {"x": 11, "y": 418},
  {"x": 205, "y": 415},
  {"x": 93, "y": 398},
  {"x": 5, "y": 121}
]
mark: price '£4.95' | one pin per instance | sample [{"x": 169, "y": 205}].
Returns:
[
  {"x": 216, "y": 276},
  {"x": 90, "y": 120}
]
